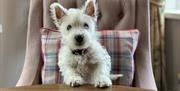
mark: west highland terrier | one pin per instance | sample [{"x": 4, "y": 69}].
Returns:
[{"x": 82, "y": 59}]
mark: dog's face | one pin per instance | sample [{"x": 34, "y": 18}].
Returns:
[{"x": 77, "y": 26}]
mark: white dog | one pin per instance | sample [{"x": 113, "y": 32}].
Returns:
[{"x": 82, "y": 59}]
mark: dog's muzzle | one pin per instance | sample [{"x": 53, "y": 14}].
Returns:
[{"x": 79, "y": 51}]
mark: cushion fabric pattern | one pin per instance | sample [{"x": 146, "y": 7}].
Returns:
[{"x": 120, "y": 44}]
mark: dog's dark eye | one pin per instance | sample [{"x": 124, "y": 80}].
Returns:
[
  {"x": 86, "y": 26},
  {"x": 69, "y": 27}
]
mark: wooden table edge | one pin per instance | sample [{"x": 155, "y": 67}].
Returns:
[{"x": 62, "y": 87}]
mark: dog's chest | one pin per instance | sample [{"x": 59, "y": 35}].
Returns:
[{"x": 83, "y": 65}]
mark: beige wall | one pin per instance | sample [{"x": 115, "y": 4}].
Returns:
[{"x": 13, "y": 40}]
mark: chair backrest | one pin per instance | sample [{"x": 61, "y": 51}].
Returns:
[
  {"x": 113, "y": 14},
  {"x": 123, "y": 14}
]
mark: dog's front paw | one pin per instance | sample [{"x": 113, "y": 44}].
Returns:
[
  {"x": 74, "y": 81},
  {"x": 103, "y": 82}
]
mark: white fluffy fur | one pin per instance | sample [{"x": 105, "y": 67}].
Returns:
[{"x": 91, "y": 68}]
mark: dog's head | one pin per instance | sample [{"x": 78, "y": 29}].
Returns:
[{"x": 77, "y": 26}]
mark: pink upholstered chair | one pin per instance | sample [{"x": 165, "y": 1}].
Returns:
[{"x": 114, "y": 14}]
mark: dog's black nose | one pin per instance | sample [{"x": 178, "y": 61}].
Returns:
[{"x": 79, "y": 39}]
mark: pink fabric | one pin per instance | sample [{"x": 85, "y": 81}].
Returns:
[
  {"x": 50, "y": 42},
  {"x": 33, "y": 62},
  {"x": 114, "y": 14}
]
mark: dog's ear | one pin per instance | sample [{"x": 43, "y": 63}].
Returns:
[
  {"x": 91, "y": 8},
  {"x": 57, "y": 11}
]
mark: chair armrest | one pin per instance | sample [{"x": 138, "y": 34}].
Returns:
[
  {"x": 144, "y": 77},
  {"x": 32, "y": 66}
]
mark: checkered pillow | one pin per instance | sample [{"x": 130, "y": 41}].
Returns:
[
  {"x": 121, "y": 46},
  {"x": 50, "y": 41}
]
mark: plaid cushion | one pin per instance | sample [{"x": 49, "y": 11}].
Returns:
[
  {"x": 50, "y": 40},
  {"x": 120, "y": 45}
]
